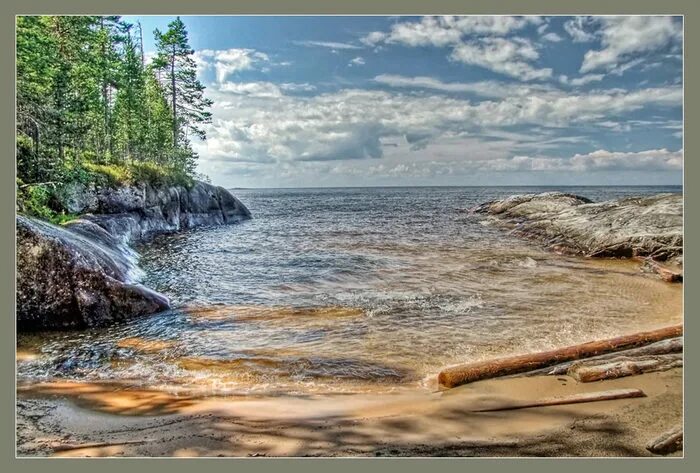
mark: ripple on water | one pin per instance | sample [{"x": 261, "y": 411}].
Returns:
[{"x": 353, "y": 289}]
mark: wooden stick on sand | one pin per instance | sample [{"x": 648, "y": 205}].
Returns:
[
  {"x": 462, "y": 374},
  {"x": 572, "y": 399},
  {"x": 668, "y": 442}
]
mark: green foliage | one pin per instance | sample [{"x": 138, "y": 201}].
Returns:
[
  {"x": 90, "y": 111},
  {"x": 34, "y": 200},
  {"x": 113, "y": 175},
  {"x": 158, "y": 175}
]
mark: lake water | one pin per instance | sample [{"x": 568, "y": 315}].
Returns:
[{"x": 346, "y": 290}]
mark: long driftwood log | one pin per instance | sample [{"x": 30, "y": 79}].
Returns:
[
  {"x": 586, "y": 371},
  {"x": 664, "y": 347},
  {"x": 668, "y": 442},
  {"x": 572, "y": 399},
  {"x": 470, "y": 372}
]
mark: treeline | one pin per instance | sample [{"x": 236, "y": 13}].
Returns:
[{"x": 88, "y": 100}]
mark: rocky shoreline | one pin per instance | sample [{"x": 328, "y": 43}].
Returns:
[
  {"x": 82, "y": 274},
  {"x": 649, "y": 227}
]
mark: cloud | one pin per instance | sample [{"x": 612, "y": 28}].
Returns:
[
  {"x": 474, "y": 40},
  {"x": 358, "y": 61},
  {"x": 298, "y": 87},
  {"x": 492, "y": 89},
  {"x": 448, "y": 30},
  {"x": 374, "y": 38},
  {"x": 493, "y": 161},
  {"x": 622, "y": 37},
  {"x": 600, "y": 160},
  {"x": 228, "y": 61},
  {"x": 257, "y": 122},
  {"x": 327, "y": 44},
  {"x": 552, "y": 37},
  {"x": 583, "y": 80},
  {"x": 506, "y": 56},
  {"x": 655, "y": 159},
  {"x": 262, "y": 89},
  {"x": 579, "y": 28},
  {"x": 252, "y": 89}
]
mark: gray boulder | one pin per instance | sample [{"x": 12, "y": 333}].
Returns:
[
  {"x": 69, "y": 278},
  {"x": 83, "y": 273},
  {"x": 648, "y": 226},
  {"x": 133, "y": 213}
]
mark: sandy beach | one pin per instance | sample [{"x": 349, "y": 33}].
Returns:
[{"x": 94, "y": 420}]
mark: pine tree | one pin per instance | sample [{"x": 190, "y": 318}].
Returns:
[
  {"x": 130, "y": 108},
  {"x": 178, "y": 71},
  {"x": 111, "y": 33},
  {"x": 87, "y": 103}
]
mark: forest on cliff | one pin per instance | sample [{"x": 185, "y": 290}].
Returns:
[{"x": 93, "y": 109}]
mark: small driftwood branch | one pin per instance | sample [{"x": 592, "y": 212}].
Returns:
[
  {"x": 572, "y": 399},
  {"x": 668, "y": 442},
  {"x": 467, "y": 373},
  {"x": 586, "y": 371}
]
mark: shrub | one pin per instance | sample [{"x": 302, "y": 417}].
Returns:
[
  {"x": 39, "y": 200},
  {"x": 112, "y": 175},
  {"x": 159, "y": 175}
]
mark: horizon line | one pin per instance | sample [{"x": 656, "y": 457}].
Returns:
[{"x": 456, "y": 186}]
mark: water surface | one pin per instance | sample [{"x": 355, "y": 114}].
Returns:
[{"x": 345, "y": 290}]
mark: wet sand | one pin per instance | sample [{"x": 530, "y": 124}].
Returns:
[{"x": 90, "y": 419}]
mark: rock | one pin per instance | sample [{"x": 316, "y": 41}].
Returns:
[
  {"x": 121, "y": 199},
  {"x": 83, "y": 273},
  {"x": 78, "y": 198},
  {"x": 69, "y": 279},
  {"x": 649, "y": 226},
  {"x": 134, "y": 213}
]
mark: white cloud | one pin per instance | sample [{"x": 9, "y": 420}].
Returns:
[
  {"x": 583, "y": 80},
  {"x": 493, "y": 160},
  {"x": 256, "y": 122},
  {"x": 552, "y": 37},
  {"x": 581, "y": 29},
  {"x": 358, "y": 61},
  {"x": 624, "y": 36},
  {"x": 654, "y": 159},
  {"x": 492, "y": 89},
  {"x": 327, "y": 44},
  {"x": 252, "y": 89},
  {"x": 228, "y": 61},
  {"x": 475, "y": 40},
  {"x": 505, "y": 56},
  {"x": 448, "y": 30},
  {"x": 373, "y": 38},
  {"x": 298, "y": 87},
  {"x": 620, "y": 69}
]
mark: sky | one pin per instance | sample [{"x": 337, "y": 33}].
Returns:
[{"x": 468, "y": 100}]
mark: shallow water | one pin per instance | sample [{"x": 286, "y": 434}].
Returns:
[{"x": 350, "y": 290}]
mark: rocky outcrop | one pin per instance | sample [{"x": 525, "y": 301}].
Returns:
[
  {"x": 649, "y": 226},
  {"x": 137, "y": 212},
  {"x": 68, "y": 280},
  {"x": 83, "y": 273}
]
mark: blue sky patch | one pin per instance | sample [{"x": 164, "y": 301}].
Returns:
[{"x": 471, "y": 100}]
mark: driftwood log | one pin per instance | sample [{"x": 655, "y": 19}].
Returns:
[
  {"x": 587, "y": 371},
  {"x": 668, "y": 442},
  {"x": 470, "y": 372},
  {"x": 664, "y": 347},
  {"x": 572, "y": 399}
]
